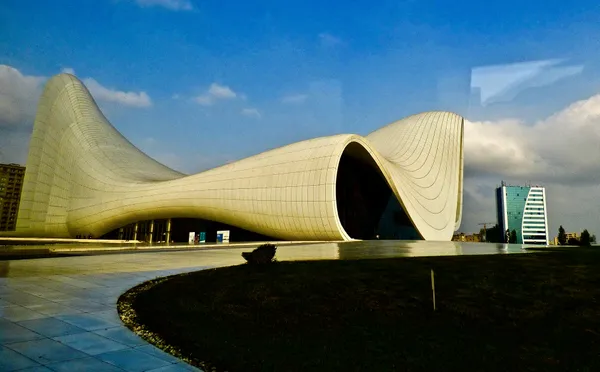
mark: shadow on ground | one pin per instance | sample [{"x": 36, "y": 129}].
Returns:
[{"x": 502, "y": 312}]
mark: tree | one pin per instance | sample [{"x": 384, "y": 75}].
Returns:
[
  {"x": 492, "y": 235},
  {"x": 585, "y": 240},
  {"x": 562, "y": 236},
  {"x": 593, "y": 239},
  {"x": 513, "y": 237}
]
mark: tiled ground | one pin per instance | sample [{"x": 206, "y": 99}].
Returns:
[
  {"x": 59, "y": 314},
  {"x": 70, "y": 323}
]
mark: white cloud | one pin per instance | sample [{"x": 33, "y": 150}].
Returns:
[
  {"x": 214, "y": 93},
  {"x": 168, "y": 4},
  {"x": 18, "y": 96},
  {"x": 294, "y": 98},
  {"x": 251, "y": 112},
  {"x": 221, "y": 91},
  {"x": 329, "y": 40},
  {"x": 563, "y": 148},
  {"x": 20, "y": 93},
  {"x": 205, "y": 100},
  {"x": 101, "y": 93},
  {"x": 561, "y": 152},
  {"x": 68, "y": 70},
  {"x": 132, "y": 99}
]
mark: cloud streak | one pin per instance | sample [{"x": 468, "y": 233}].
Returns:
[
  {"x": 175, "y": 5},
  {"x": 102, "y": 93},
  {"x": 131, "y": 99},
  {"x": 328, "y": 40},
  {"x": 503, "y": 83},
  {"x": 68, "y": 70},
  {"x": 215, "y": 93},
  {"x": 251, "y": 112},
  {"x": 294, "y": 99}
]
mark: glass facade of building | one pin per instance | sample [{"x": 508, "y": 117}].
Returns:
[
  {"x": 515, "y": 197},
  {"x": 522, "y": 209}
]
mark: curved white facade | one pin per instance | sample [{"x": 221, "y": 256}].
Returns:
[
  {"x": 83, "y": 177},
  {"x": 534, "y": 228}
]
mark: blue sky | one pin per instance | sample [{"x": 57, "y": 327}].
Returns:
[{"x": 301, "y": 69}]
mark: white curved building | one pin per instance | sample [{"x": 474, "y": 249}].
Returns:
[{"x": 401, "y": 181}]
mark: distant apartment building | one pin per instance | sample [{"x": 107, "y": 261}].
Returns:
[
  {"x": 571, "y": 235},
  {"x": 568, "y": 236},
  {"x": 462, "y": 237},
  {"x": 523, "y": 209},
  {"x": 11, "y": 184}
]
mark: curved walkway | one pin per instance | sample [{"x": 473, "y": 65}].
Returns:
[{"x": 59, "y": 314}]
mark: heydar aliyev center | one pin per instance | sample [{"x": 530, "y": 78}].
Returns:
[{"x": 403, "y": 181}]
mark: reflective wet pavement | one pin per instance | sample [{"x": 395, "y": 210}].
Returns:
[
  {"x": 59, "y": 314},
  {"x": 75, "y": 247}
]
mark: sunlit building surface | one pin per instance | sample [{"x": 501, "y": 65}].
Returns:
[
  {"x": 523, "y": 209},
  {"x": 403, "y": 181},
  {"x": 11, "y": 183}
]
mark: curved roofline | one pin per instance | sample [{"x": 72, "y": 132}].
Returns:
[{"x": 83, "y": 177}]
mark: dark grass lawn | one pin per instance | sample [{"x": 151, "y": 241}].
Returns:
[{"x": 494, "y": 313}]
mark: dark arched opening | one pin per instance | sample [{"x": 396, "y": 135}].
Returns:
[
  {"x": 366, "y": 205},
  {"x": 180, "y": 229}
]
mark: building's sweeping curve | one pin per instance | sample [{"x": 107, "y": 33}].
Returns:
[{"x": 83, "y": 177}]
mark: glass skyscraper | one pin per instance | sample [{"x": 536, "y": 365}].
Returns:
[{"x": 523, "y": 209}]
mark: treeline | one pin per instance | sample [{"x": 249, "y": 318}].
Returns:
[
  {"x": 584, "y": 240},
  {"x": 494, "y": 235}
]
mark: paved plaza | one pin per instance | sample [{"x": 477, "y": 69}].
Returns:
[{"x": 59, "y": 314}]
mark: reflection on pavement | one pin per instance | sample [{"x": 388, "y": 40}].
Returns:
[{"x": 61, "y": 312}]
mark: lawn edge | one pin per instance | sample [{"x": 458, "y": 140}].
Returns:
[{"x": 130, "y": 319}]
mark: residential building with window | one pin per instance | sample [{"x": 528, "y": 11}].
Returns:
[
  {"x": 11, "y": 184},
  {"x": 523, "y": 209},
  {"x": 462, "y": 237}
]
